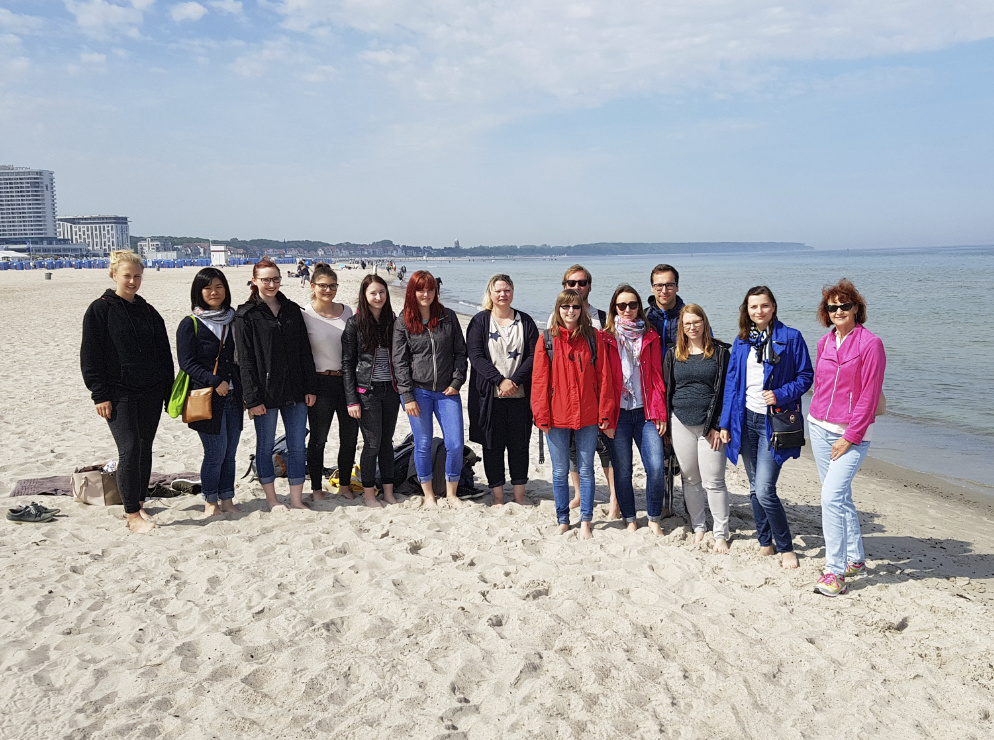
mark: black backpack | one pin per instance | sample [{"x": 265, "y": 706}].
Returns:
[{"x": 591, "y": 340}]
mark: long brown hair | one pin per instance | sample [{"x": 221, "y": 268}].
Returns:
[
  {"x": 612, "y": 311},
  {"x": 745, "y": 323},
  {"x": 570, "y": 297},
  {"x": 374, "y": 333},
  {"x": 421, "y": 280},
  {"x": 261, "y": 265},
  {"x": 683, "y": 343}
]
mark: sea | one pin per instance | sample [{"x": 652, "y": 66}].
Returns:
[{"x": 931, "y": 306}]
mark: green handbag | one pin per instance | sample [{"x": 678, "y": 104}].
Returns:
[{"x": 181, "y": 387}]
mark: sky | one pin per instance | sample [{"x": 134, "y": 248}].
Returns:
[{"x": 837, "y": 123}]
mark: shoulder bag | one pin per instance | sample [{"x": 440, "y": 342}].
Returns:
[{"x": 199, "y": 402}]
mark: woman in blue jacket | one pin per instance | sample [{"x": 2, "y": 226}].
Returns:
[
  {"x": 205, "y": 347},
  {"x": 769, "y": 367}
]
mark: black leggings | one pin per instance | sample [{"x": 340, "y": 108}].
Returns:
[
  {"x": 331, "y": 401},
  {"x": 380, "y": 405},
  {"x": 133, "y": 422},
  {"x": 512, "y": 429}
]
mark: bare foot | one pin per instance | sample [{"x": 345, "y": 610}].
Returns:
[
  {"x": 498, "y": 497},
  {"x": 278, "y": 507},
  {"x": 655, "y": 528},
  {"x": 317, "y": 495},
  {"x": 698, "y": 538},
  {"x": 454, "y": 502},
  {"x": 371, "y": 502},
  {"x": 562, "y": 529},
  {"x": 575, "y": 503},
  {"x": 721, "y": 546},
  {"x": 346, "y": 492},
  {"x": 228, "y": 507},
  {"x": 299, "y": 505},
  {"x": 430, "y": 500},
  {"x": 788, "y": 560},
  {"x": 139, "y": 524},
  {"x": 614, "y": 512},
  {"x": 586, "y": 532},
  {"x": 146, "y": 516},
  {"x": 211, "y": 509},
  {"x": 632, "y": 526},
  {"x": 767, "y": 550},
  {"x": 389, "y": 498}
]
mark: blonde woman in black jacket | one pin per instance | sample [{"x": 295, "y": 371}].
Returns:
[{"x": 128, "y": 367}]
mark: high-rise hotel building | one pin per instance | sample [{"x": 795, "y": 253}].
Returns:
[
  {"x": 103, "y": 234},
  {"x": 27, "y": 203}
]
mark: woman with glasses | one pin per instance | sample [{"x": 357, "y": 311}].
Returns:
[
  {"x": 635, "y": 354},
  {"x": 370, "y": 389},
  {"x": 429, "y": 363},
  {"x": 325, "y": 320},
  {"x": 583, "y": 401},
  {"x": 769, "y": 368},
  {"x": 278, "y": 379},
  {"x": 849, "y": 377},
  {"x": 695, "y": 386},
  {"x": 500, "y": 343},
  {"x": 205, "y": 348}
]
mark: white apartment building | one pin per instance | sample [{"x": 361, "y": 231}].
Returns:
[
  {"x": 104, "y": 234},
  {"x": 27, "y": 203}
]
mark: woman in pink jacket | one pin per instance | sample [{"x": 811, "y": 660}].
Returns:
[{"x": 849, "y": 377}]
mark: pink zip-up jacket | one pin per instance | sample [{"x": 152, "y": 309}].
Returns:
[{"x": 848, "y": 381}]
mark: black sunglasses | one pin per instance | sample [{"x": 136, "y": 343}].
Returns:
[
  {"x": 574, "y": 283},
  {"x": 630, "y": 306},
  {"x": 841, "y": 307}
]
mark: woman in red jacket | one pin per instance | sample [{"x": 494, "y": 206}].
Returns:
[
  {"x": 640, "y": 399},
  {"x": 573, "y": 390}
]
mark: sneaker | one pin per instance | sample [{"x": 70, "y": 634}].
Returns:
[
  {"x": 831, "y": 585},
  {"x": 855, "y": 569}
]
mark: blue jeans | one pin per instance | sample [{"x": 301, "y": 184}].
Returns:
[
  {"x": 586, "y": 446},
  {"x": 448, "y": 410},
  {"x": 217, "y": 472},
  {"x": 634, "y": 427},
  {"x": 763, "y": 471},
  {"x": 839, "y": 520},
  {"x": 295, "y": 424}
]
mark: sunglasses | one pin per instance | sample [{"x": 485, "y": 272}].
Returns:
[
  {"x": 574, "y": 283},
  {"x": 570, "y": 307},
  {"x": 630, "y": 306},
  {"x": 840, "y": 307}
]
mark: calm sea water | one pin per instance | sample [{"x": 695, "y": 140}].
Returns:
[{"x": 931, "y": 307}]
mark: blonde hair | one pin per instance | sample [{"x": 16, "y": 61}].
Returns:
[
  {"x": 682, "y": 348},
  {"x": 121, "y": 256},
  {"x": 488, "y": 302}
]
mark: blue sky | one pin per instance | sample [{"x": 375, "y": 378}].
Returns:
[{"x": 839, "y": 124}]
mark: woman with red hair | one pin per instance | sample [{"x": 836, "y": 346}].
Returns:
[{"x": 429, "y": 360}]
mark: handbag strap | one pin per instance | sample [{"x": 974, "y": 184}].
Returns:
[{"x": 220, "y": 349}]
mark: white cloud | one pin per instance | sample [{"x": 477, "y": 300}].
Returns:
[
  {"x": 15, "y": 23},
  {"x": 256, "y": 62},
  {"x": 92, "y": 57},
  {"x": 232, "y": 7},
  {"x": 588, "y": 51},
  {"x": 101, "y": 18},
  {"x": 187, "y": 12},
  {"x": 320, "y": 73}
]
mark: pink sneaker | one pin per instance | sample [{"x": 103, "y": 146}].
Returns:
[{"x": 831, "y": 585}]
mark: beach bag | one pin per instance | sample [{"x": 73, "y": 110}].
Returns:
[
  {"x": 91, "y": 485},
  {"x": 280, "y": 453},
  {"x": 787, "y": 425},
  {"x": 177, "y": 396},
  {"x": 355, "y": 483}
]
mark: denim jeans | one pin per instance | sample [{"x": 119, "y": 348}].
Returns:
[
  {"x": 839, "y": 520},
  {"x": 295, "y": 425},
  {"x": 634, "y": 427},
  {"x": 763, "y": 471},
  {"x": 217, "y": 471},
  {"x": 586, "y": 446},
  {"x": 448, "y": 410}
]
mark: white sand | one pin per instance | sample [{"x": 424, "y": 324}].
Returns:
[{"x": 480, "y": 623}]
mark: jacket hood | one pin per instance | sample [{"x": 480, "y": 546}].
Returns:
[
  {"x": 112, "y": 297},
  {"x": 670, "y": 313},
  {"x": 249, "y": 305}
]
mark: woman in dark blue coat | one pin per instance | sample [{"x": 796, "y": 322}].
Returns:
[
  {"x": 500, "y": 344},
  {"x": 769, "y": 367},
  {"x": 199, "y": 346}
]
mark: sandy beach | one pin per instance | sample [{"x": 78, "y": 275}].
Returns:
[{"x": 406, "y": 622}]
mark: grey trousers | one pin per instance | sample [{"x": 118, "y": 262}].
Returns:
[{"x": 702, "y": 470}]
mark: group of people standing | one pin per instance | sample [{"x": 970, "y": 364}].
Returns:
[{"x": 634, "y": 377}]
